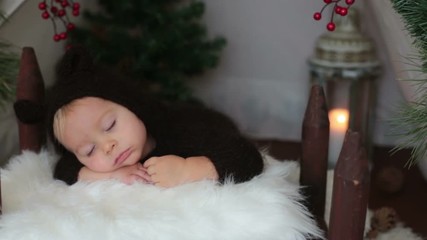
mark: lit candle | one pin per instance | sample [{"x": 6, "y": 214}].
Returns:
[{"x": 338, "y": 124}]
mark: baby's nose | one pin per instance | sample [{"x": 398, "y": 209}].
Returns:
[{"x": 109, "y": 146}]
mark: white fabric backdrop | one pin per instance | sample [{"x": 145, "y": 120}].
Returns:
[
  {"x": 398, "y": 44},
  {"x": 263, "y": 79}
]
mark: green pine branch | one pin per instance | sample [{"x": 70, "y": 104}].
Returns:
[
  {"x": 9, "y": 63},
  {"x": 412, "y": 116},
  {"x": 160, "y": 43}
]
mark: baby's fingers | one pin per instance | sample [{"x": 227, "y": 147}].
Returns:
[
  {"x": 150, "y": 162},
  {"x": 143, "y": 175},
  {"x": 151, "y": 169}
]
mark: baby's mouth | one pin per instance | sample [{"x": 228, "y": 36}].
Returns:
[{"x": 122, "y": 157}]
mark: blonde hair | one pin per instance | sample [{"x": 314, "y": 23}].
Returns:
[{"x": 59, "y": 119}]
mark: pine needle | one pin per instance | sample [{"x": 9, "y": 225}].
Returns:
[
  {"x": 9, "y": 63},
  {"x": 412, "y": 117}
]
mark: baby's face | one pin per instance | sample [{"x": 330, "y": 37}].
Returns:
[{"x": 103, "y": 135}]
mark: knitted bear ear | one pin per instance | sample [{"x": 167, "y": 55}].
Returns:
[
  {"x": 76, "y": 60},
  {"x": 28, "y": 111}
]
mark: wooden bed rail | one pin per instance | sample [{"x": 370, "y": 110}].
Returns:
[
  {"x": 314, "y": 157},
  {"x": 351, "y": 174},
  {"x": 30, "y": 86},
  {"x": 350, "y": 190}
]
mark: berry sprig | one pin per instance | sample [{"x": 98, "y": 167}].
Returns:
[
  {"x": 56, "y": 11},
  {"x": 338, "y": 9}
]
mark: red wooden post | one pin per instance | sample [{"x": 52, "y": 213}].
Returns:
[
  {"x": 30, "y": 86},
  {"x": 314, "y": 159},
  {"x": 350, "y": 191}
]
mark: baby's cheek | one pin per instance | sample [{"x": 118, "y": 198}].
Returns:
[
  {"x": 83, "y": 161},
  {"x": 96, "y": 164}
]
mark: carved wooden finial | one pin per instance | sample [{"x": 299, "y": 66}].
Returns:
[
  {"x": 350, "y": 190},
  {"x": 314, "y": 159},
  {"x": 30, "y": 90}
]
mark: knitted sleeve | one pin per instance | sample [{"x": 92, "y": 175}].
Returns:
[
  {"x": 239, "y": 160},
  {"x": 202, "y": 132}
]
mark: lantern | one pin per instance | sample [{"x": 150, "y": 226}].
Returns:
[{"x": 345, "y": 64}]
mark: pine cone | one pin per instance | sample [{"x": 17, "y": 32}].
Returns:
[{"x": 382, "y": 220}]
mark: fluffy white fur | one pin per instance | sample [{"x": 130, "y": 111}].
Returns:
[{"x": 37, "y": 207}]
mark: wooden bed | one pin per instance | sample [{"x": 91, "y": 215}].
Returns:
[{"x": 351, "y": 176}]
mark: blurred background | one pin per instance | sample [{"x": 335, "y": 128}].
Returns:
[{"x": 261, "y": 79}]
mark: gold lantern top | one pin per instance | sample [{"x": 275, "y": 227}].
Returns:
[{"x": 346, "y": 47}]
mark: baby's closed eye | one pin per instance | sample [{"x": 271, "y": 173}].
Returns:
[
  {"x": 87, "y": 150},
  {"x": 110, "y": 126}
]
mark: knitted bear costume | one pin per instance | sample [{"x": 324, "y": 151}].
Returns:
[{"x": 179, "y": 129}]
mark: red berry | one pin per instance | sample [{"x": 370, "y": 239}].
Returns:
[
  {"x": 317, "y": 16},
  {"x": 76, "y": 6},
  {"x": 76, "y": 13},
  {"x": 56, "y": 37},
  {"x": 54, "y": 9},
  {"x": 343, "y": 11},
  {"x": 42, "y": 6},
  {"x": 64, "y": 3},
  {"x": 61, "y": 12},
  {"x": 45, "y": 15},
  {"x": 70, "y": 26},
  {"x": 330, "y": 26},
  {"x": 68, "y": 47},
  {"x": 327, "y": 1},
  {"x": 63, "y": 35},
  {"x": 349, "y": 2},
  {"x": 338, "y": 9}
]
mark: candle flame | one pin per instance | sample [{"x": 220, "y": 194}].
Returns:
[
  {"x": 342, "y": 118},
  {"x": 338, "y": 118}
]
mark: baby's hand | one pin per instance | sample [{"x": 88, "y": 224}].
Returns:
[
  {"x": 131, "y": 174},
  {"x": 166, "y": 171},
  {"x": 172, "y": 170}
]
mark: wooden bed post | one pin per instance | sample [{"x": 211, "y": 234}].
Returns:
[
  {"x": 314, "y": 158},
  {"x": 350, "y": 191},
  {"x": 30, "y": 86}
]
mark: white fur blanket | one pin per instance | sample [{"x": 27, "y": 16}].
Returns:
[{"x": 37, "y": 207}]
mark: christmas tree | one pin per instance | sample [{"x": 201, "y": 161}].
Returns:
[
  {"x": 160, "y": 43},
  {"x": 413, "y": 115}
]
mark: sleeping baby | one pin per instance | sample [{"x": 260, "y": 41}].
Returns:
[{"x": 105, "y": 126}]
